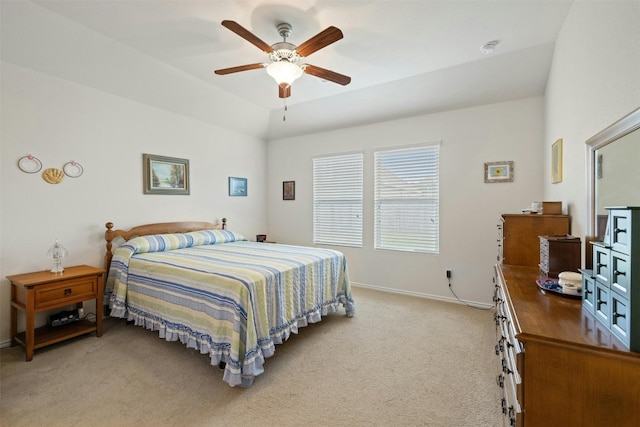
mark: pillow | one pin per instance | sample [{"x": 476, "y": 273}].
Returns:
[{"x": 167, "y": 242}]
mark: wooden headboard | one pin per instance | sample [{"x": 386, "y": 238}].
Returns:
[{"x": 158, "y": 228}]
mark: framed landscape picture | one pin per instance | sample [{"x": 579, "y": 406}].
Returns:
[
  {"x": 165, "y": 175},
  {"x": 237, "y": 186}
]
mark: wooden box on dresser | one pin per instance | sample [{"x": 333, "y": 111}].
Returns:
[
  {"x": 566, "y": 368},
  {"x": 558, "y": 254}
]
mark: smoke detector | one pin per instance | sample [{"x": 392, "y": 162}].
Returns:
[{"x": 489, "y": 47}]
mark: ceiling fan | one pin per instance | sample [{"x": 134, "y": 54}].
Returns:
[{"x": 284, "y": 57}]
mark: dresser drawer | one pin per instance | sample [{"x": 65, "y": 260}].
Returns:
[
  {"x": 620, "y": 229},
  {"x": 620, "y": 273},
  {"x": 620, "y": 316},
  {"x": 602, "y": 304},
  {"x": 588, "y": 293},
  {"x": 65, "y": 292},
  {"x": 601, "y": 268}
]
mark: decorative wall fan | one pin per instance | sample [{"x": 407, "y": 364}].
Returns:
[{"x": 284, "y": 57}]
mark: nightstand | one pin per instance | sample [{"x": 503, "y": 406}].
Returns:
[{"x": 42, "y": 291}]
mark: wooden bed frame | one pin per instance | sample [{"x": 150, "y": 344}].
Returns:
[{"x": 157, "y": 228}]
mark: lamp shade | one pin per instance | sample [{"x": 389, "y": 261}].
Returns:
[{"x": 284, "y": 72}]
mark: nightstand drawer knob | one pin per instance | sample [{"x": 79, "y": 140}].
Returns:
[{"x": 67, "y": 292}]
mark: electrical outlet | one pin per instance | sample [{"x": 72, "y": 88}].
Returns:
[{"x": 448, "y": 274}]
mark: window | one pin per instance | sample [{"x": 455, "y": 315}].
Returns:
[
  {"x": 337, "y": 200},
  {"x": 407, "y": 198}
]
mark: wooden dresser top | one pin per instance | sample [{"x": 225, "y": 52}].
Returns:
[{"x": 553, "y": 317}]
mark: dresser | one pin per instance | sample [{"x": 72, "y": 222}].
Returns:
[
  {"x": 611, "y": 291},
  {"x": 558, "y": 365},
  {"x": 519, "y": 242}
]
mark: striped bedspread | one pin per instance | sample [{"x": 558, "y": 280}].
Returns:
[{"x": 227, "y": 297}]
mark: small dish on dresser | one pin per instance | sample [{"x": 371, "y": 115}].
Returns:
[{"x": 553, "y": 286}]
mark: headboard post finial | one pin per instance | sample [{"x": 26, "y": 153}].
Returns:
[
  {"x": 108, "y": 236},
  {"x": 224, "y": 223}
]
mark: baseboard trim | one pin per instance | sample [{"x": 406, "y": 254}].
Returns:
[
  {"x": 475, "y": 304},
  {"x": 5, "y": 344}
]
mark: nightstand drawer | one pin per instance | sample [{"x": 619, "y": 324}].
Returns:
[{"x": 68, "y": 291}]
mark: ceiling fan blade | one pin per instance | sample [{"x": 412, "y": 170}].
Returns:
[
  {"x": 320, "y": 40},
  {"x": 327, "y": 74},
  {"x": 239, "y": 68},
  {"x": 284, "y": 90},
  {"x": 247, "y": 35}
]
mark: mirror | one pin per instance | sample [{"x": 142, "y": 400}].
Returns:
[{"x": 613, "y": 177}]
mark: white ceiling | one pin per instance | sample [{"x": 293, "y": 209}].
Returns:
[{"x": 404, "y": 57}]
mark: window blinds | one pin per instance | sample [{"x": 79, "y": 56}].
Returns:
[
  {"x": 406, "y": 199},
  {"x": 337, "y": 200}
]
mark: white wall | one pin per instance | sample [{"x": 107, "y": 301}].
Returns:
[
  {"x": 59, "y": 121},
  {"x": 594, "y": 81},
  {"x": 469, "y": 208}
]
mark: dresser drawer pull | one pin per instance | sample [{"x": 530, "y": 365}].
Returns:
[
  {"x": 500, "y": 381},
  {"x": 505, "y": 368},
  {"x": 67, "y": 292},
  {"x": 503, "y": 403},
  {"x": 620, "y": 230},
  {"x": 616, "y": 315},
  {"x": 512, "y": 416}
]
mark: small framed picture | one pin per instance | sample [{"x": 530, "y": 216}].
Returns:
[
  {"x": 237, "y": 186},
  {"x": 556, "y": 162},
  {"x": 498, "y": 172},
  {"x": 288, "y": 190},
  {"x": 165, "y": 175}
]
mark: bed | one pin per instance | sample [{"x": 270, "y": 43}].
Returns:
[{"x": 217, "y": 292}]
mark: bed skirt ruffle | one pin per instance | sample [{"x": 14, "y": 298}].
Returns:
[{"x": 236, "y": 372}]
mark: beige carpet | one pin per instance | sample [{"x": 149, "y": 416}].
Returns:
[{"x": 401, "y": 361}]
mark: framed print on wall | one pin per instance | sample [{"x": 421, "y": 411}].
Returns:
[
  {"x": 556, "y": 162},
  {"x": 165, "y": 175},
  {"x": 237, "y": 186},
  {"x": 498, "y": 172},
  {"x": 288, "y": 190}
]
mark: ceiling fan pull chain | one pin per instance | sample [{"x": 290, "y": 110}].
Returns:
[{"x": 284, "y": 114}]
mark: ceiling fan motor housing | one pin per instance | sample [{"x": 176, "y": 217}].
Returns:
[{"x": 284, "y": 51}]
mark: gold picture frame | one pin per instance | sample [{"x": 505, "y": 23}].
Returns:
[
  {"x": 556, "y": 162},
  {"x": 498, "y": 171},
  {"x": 165, "y": 175}
]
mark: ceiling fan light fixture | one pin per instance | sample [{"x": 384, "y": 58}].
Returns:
[{"x": 284, "y": 72}]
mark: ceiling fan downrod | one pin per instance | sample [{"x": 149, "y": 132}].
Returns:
[{"x": 284, "y": 29}]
